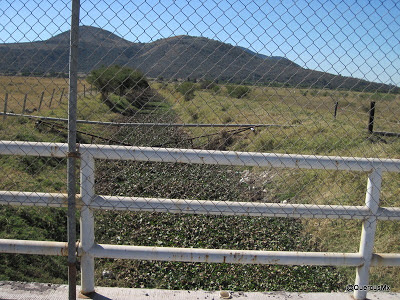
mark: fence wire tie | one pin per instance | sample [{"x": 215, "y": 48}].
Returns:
[{"x": 74, "y": 154}]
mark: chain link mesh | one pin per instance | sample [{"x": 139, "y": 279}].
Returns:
[{"x": 268, "y": 77}]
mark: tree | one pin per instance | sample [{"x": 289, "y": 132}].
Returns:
[{"x": 116, "y": 80}]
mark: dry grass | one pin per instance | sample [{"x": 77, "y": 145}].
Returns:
[
  {"x": 316, "y": 132},
  {"x": 18, "y": 86}
]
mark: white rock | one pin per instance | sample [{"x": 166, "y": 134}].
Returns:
[{"x": 107, "y": 274}]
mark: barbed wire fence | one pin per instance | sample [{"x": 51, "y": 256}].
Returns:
[{"x": 216, "y": 125}]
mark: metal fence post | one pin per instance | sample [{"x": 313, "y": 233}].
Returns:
[
  {"x": 368, "y": 233},
  {"x": 87, "y": 223},
  {"x": 72, "y": 149}
]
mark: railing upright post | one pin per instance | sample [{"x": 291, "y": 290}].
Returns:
[
  {"x": 368, "y": 233},
  {"x": 87, "y": 223}
]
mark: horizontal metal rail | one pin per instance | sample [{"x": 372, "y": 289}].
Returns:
[
  {"x": 211, "y": 157},
  {"x": 33, "y": 247},
  {"x": 205, "y": 207},
  {"x": 385, "y": 260},
  {"x": 200, "y": 255},
  {"x": 226, "y": 256},
  {"x": 33, "y": 199},
  {"x": 254, "y": 209}
]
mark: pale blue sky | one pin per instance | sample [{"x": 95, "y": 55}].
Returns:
[{"x": 352, "y": 38}]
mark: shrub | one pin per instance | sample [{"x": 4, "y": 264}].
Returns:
[
  {"x": 238, "y": 91},
  {"x": 117, "y": 80},
  {"x": 207, "y": 84},
  {"x": 138, "y": 98},
  {"x": 216, "y": 89},
  {"x": 187, "y": 89}
]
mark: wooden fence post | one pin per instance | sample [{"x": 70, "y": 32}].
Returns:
[
  {"x": 51, "y": 99},
  {"x": 336, "y": 107},
  {"x": 5, "y": 107},
  {"x": 41, "y": 100},
  {"x": 62, "y": 94},
  {"x": 371, "y": 117},
  {"x": 24, "y": 105}
]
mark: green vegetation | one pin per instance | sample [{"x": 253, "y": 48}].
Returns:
[
  {"x": 207, "y": 84},
  {"x": 316, "y": 132},
  {"x": 117, "y": 80},
  {"x": 237, "y": 91},
  {"x": 167, "y": 230},
  {"x": 181, "y": 181},
  {"x": 187, "y": 89},
  {"x": 122, "y": 89},
  {"x": 29, "y": 223}
]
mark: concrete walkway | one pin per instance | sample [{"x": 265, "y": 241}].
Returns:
[{"x": 10, "y": 290}]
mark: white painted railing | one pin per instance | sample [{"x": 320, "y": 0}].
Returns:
[{"x": 87, "y": 249}]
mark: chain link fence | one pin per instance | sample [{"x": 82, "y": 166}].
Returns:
[{"x": 241, "y": 125}]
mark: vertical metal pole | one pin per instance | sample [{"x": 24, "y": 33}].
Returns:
[
  {"x": 24, "y": 106},
  {"x": 87, "y": 224},
  {"x": 72, "y": 150},
  {"x": 368, "y": 233},
  {"x": 84, "y": 91},
  {"x": 371, "y": 118}
]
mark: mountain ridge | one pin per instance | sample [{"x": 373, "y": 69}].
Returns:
[{"x": 174, "y": 57}]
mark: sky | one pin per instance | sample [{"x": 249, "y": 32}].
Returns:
[{"x": 356, "y": 38}]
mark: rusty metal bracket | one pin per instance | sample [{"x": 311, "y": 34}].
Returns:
[{"x": 75, "y": 154}]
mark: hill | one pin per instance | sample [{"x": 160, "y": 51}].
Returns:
[{"x": 174, "y": 57}]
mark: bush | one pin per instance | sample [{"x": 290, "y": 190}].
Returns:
[
  {"x": 238, "y": 91},
  {"x": 207, "y": 84},
  {"x": 216, "y": 89},
  {"x": 117, "y": 80},
  {"x": 187, "y": 89},
  {"x": 138, "y": 98}
]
